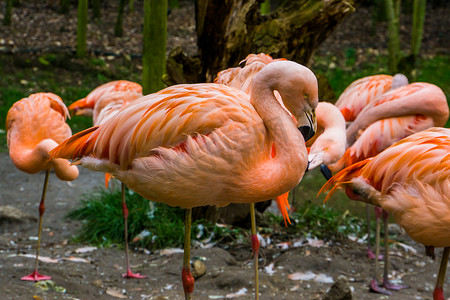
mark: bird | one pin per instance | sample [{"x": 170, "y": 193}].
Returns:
[
  {"x": 386, "y": 119},
  {"x": 193, "y": 145},
  {"x": 328, "y": 145},
  {"x": 351, "y": 102},
  {"x": 363, "y": 91},
  {"x": 329, "y": 142},
  {"x": 35, "y": 125},
  {"x": 107, "y": 100},
  {"x": 113, "y": 91},
  {"x": 411, "y": 181}
]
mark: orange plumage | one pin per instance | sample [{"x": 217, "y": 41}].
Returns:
[{"x": 36, "y": 125}]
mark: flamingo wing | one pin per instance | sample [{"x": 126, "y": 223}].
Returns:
[
  {"x": 360, "y": 93},
  {"x": 411, "y": 180}
]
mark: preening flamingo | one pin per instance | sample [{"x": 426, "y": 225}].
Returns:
[
  {"x": 103, "y": 103},
  {"x": 36, "y": 125},
  {"x": 385, "y": 120},
  {"x": 410, "y": 180},
  {"x": 363, "y": 91},
  {"x": 329, "y": 143},
  {"x": 111, "y": 92},
  {"x": 207, "y": 144}
]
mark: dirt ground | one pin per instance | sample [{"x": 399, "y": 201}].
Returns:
[{"x": 98, "y": 274}]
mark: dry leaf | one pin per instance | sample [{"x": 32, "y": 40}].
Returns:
[
  {"x": 241, "y": 292},
  {"x": 85, "y": 249},
  {"x": 45, "y": 259},
  {"x": 115, "y": 292},
  {"x": 76, "y": 259}
]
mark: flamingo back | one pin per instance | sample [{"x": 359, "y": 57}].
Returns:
[
  {"x": 242, "y": 78},
  {"x": 126, "y": 89},
  {"x": 166, "y": 119},
  {"x": 38, "y": 117},
  {"x": 362, "y": 92}
]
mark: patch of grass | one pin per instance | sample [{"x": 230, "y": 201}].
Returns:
[
  {"x": 325, "y": 222},
  {"x": 101, "y": 213},
  {"x": 157, "y": 225}
]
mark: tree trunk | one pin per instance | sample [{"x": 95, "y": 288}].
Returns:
[
  {"x": 154, "y": 53},
  {"x": 64, "y": 6},
  {"x": 8, "y": 11},
  {"x": 82, "y": 27},
  {"x": 96, "y": 12},
  {"x": 265, "y": 7},
  {"x": 118, "y": 28},
  {"x": 418, "y": 22},
  {"x": 293, "y": 31},
  {"x": 131, "y": 5},
  {"x": 393, "y": 15}
]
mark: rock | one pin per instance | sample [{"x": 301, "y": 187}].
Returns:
[
  {"x": 340, "y": 290},
  {"x": 199, "y": 269},
  {"x": 11, "y": 214}
]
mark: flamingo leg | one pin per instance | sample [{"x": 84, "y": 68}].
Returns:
[
  {"x": 255, "y": 248},
  {"x": 35, "y": 276},
  {"x": 186, "y": 276},
  {"x": 374, "y": 282},
  {"x": 386, "y": 283},
  {"x": 370, "y": 253},
  {"x": 438, "y": 293},
  {"x": 129, "y": 273}
]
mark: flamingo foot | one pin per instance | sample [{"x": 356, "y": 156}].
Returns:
[
  {"x": 371, "y": 255},
  {"x": 35, "y": 276},
  {"x": 130, "y": 274},
  {"x": 375, "y": 288},
  {"x": 394, "y": 287},
  {"x": 188, "y": 282}
]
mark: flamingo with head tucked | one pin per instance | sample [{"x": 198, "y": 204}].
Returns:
[
  {"x": 113, "y": 91},
  {"x": 207, "y": 144},
  {"x": 36, "y": 125},
  {"x": 103, "y": 103},
  {"x": 384, "y": 120},
  {"x": 411, "y": 181}
]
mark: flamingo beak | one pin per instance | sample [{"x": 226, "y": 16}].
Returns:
[{"x": 308, "y": 131}]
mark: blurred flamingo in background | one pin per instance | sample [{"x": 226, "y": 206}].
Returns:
[
  {"x": 386, "y": 119},
  {"x": 351, "y": 102},
  {"x": 207, "y": 144},
  {"x": 103, "y": 103},
  {"x": 36, "y": 125},
  {"x": 410, "y": 180},
  {"x": 363, "y": 91},
  {"x": 117, "y": 92}
]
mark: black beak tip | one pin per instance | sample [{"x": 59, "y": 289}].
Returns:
[
  {"x": 326, "y": 172},
  {"x": 307, "y": 132}
]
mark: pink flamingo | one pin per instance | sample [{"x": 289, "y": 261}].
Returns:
[
  {"x": 411, "y": 181},
  {"x": 111, "y": 92},
  {"x": 103, "y": 103},
  {"x": 36, "y": 125},
  {"x": 385, "y": 120},
  {"x": 207, "y": 144},
  {"x": 329, "y": 142}
]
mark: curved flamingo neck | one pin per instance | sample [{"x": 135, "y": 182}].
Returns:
[
  {"x": 288, "y": 161},
  {"x": 34, "y": 159},
  {"x": 427, "y": 100}
]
